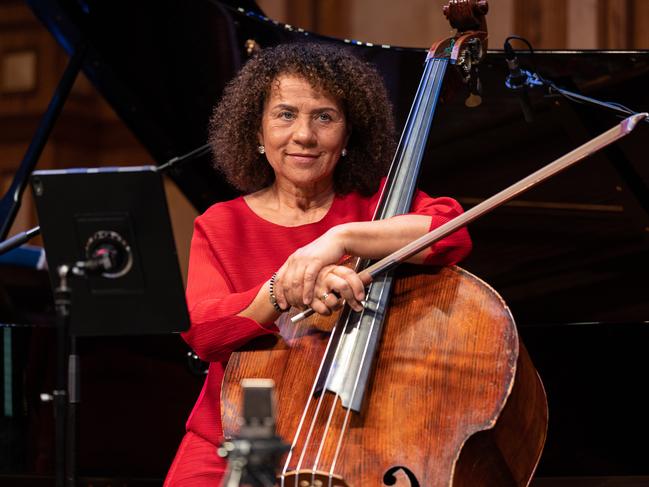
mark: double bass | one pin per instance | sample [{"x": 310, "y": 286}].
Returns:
[{"x": 429, "y": 385}]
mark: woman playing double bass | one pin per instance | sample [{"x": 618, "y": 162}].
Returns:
[{"x": 305, "y": 131}]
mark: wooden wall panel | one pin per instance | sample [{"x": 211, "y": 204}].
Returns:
[
  {"x": 542, "y": 22},
  {"x": 274, "y": 9},
  {"x": 15, "y": 15},
  {"x": 391, "y": 23},
  {"x": 582, "y": 24},
  {"x": 332, "y": 18},
  {"x": 548, "y": 24},
  {"x": 301, "y": 13},
  {"x": 615, "y": 27},
  {"x": 639, "y": 19},
  {"x": 500, "y": 21}
]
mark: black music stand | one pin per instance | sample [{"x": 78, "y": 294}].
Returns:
[
  {"x": 81, "y": 211},
  {"x": 114, "y": 267}
]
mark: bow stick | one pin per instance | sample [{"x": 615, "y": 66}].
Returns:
[{"x": 594, "y": 145}]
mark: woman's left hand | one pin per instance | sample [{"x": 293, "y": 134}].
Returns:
[
  {"x": 296, "y": 279},
  {"x": 333, "y": 283}
]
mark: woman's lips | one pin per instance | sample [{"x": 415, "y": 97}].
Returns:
[{"x": 303, "y": 158}]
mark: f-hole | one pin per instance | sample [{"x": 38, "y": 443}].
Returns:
[{"x": 390, "y": 479}]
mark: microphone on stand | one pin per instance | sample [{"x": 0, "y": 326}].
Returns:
[
  {"x": 519, "y": 80},
  {"x": 254, "y": 453}
]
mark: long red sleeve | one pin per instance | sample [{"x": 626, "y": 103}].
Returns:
[{"x": 213, "y": 302}]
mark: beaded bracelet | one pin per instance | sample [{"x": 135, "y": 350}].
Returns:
[{"x": 272, "y": 298}]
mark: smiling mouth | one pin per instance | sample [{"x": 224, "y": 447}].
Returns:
[{"x": 303, "y": 158}]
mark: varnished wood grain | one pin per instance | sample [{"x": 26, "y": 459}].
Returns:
[{"x": 445, "y": 370}]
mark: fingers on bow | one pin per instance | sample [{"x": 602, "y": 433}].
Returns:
[{"x": 334, "y": 284}]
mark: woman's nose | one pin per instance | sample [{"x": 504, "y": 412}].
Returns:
[{"x": 303, "y": 132}]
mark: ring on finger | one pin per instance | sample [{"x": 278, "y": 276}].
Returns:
[{"x": 324, "y": 297}]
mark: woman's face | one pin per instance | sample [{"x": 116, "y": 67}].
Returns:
[{"x": 303, "y": 131}]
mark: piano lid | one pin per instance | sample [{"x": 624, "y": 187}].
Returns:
[{"x": 576, "y": 249}]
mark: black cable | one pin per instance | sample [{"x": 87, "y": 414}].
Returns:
[
  {"x": 522, "y": 39},
  {"x": 622, "y": 110},
  {"x": 529, "y": 48}
]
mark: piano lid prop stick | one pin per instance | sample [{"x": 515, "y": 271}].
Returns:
[{"x": 594, "y": 145}]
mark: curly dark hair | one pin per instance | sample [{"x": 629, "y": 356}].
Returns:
[{"x": 237, "y": 118}]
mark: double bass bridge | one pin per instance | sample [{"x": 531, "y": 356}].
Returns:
[{"x": 310, "y": 478}]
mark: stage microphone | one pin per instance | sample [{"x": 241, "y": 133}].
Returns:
[{"x": 517, "y": 80}]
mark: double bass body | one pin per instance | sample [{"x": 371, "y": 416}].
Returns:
[{"x": 453, "y": 397}]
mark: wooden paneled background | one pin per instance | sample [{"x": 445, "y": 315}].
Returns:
[
  {"x": 89, "y": 134},
  {"x": 548, "y": 24}
]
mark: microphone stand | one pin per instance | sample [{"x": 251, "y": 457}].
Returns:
[
  {"x": 251, "y": 461},
  {"x": 61, "y": 421},
  {"x": 253, "y": 454},
  {"x": 68, "y": 374},
  {"x": 520, "y": 80}
]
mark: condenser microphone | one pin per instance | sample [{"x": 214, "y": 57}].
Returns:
[{"x": 517, "y": 80}]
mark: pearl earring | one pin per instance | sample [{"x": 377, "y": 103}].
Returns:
[
  {"x": 261, "y": 149},
  {"x": 343, "y": 152}
]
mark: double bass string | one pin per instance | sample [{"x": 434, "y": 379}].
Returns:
[
  {"x": 320, "y": 400},
  {"x": 318, "y": 406},
  {"x": 304, "y": 412},
  {"x": 433, "y": 72},
  {"x": 347, "y": 413}
]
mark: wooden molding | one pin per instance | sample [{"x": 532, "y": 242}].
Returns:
[{"x": 18, "y": 71}]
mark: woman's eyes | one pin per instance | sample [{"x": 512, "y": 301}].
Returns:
[{"x": 320, "y": 117}]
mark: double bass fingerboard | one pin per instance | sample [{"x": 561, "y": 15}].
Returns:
[{"x": 351, "y": 361}]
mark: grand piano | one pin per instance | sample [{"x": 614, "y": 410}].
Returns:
[{"x": 571, "y": 258}]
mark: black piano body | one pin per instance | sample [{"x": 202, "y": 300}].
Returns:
[{"x": 571, "y": 258}]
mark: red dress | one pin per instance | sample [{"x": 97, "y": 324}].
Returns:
[{"x": 233, "y": 253}]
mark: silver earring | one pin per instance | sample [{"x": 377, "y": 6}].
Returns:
[
  {"x": 343, "y": 152},
  {"x": 261, "y": 149}
]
